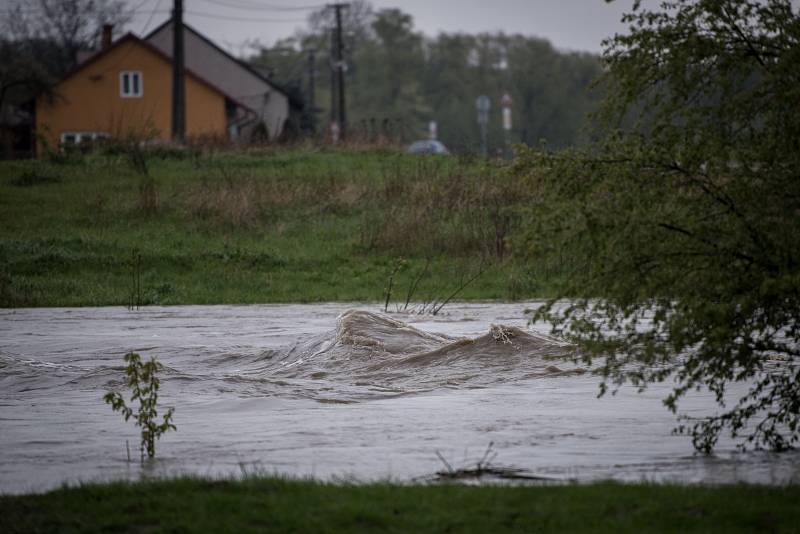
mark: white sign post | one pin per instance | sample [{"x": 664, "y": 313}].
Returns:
[{"x": 506, "y": 103}]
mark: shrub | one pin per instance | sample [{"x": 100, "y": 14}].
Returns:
[{"x": 144, "y": 384}]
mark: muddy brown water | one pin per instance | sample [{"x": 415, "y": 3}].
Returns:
[{"x": 334, "y": 391}]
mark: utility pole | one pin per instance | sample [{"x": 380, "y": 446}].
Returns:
[
  {"x": 334, "y": 100},
  {"x": 312, "y": 118},
  {"x": 178, "y": 80},
  {"x": 339, "y": 66}
]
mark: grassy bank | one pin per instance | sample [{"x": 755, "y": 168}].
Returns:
[
  {"x": 293, "y": 506},
  {"x": 284, "y": 226}
]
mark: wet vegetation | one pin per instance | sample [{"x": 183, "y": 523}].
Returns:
[
  {"x": 684, "y": 221},
  {"x": 277, "y": 505},
  {"x": 687, "y": 225},
  {"x": 289, "y": 225},
  {"x": 141, "y": 379},
  {"x": 398, "y": 79}
]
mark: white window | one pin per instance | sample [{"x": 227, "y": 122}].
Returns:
[
  {"x": 69, "y": 139},
  {"x": 130, "y": 84},
  {"x": 82, "y": 138}
]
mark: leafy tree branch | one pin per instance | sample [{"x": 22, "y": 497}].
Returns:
[
  {"x": 683, "y": 226},
  {"x": 142, "y": 380}
]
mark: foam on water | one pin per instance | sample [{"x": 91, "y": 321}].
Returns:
[
  {"x": 328, "y": 391},
  {"x": 388, "y": 356}
]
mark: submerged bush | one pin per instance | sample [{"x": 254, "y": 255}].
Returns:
[{"x": 144, "y": 384}]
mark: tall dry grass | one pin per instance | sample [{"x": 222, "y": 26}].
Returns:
[
  {"x": 243, "y": 200},
  {"x": 423, "y": 208},
  {"x": 232, "y": 202},
  {"x": 453, "y": 213}
]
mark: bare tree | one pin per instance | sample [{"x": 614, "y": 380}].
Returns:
[
  {"x": 19, "y": 75},
  {"x": 357, "y": 21},
  {"x": 39, "y": 42},
  {"x": 72, "y": 25}
]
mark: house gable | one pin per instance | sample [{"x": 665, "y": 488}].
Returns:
[
  {"x": 94, "y": 98},
  {"x": 234, "y": 77}
]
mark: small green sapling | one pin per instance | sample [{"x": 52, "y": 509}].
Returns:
[{"x": 143, "y": 383}]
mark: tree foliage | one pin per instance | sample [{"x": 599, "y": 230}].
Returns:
[
  {"x": 142, "y": 380},
  {"x": 683, "y": 227},
  {"x": 20, "y": 75},
  {"x": 73, "y": 25},
  {"x": 40, "y": 40},
  {"x": 399, "y": 79}
]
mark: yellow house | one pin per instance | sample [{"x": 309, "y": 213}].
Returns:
[{"x": 125, "y": 91}]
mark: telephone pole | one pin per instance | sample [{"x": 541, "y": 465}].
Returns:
[
  {"x": 338, "y": 86},
  {"x": 178, "y": 80},
  {"x": 332, "y": 61},
  {"x": 311, "y": 106}
]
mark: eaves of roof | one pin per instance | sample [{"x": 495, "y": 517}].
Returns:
[
  {"x": 222, "y": 51},
  {"x": 129, "y": 37}
]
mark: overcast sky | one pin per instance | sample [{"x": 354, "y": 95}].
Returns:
[{"x": 567, "y": 24}]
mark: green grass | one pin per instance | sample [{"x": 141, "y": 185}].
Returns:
[
  {"x": 275, "y": 505},
  {"x": 259, "y": 227}
]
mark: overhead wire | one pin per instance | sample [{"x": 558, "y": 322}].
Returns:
[
  {"x": 150, "y": 18},
  {"x": 24, "y": 7},
  {"x": 29, "y": 9},
  {"x": 236, "y": 4},
  {"x": 233, "y": 4},
  {"x": 139, "y": 6},
  {"x": 128, "y": 51},
  {"x": 239, "y": 19}
]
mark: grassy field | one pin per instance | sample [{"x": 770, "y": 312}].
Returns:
[
  {"x": 297, "y": 225},
  {"x": 274, "y": 505},
  {"x": 306, "y": 225}
]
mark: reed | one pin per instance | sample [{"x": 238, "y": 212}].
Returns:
[{"x": 135, "y": 295}]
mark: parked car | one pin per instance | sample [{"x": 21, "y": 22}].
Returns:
[{"x": 427, "y": 146}]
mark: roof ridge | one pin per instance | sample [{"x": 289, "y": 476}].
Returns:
[
  {"x": 224, "y": 52},
  {"x": 129, "y": 36}
]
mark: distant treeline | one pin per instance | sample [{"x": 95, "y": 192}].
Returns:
[{"x": 398, "y": 80}]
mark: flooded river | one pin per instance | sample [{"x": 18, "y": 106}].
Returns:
[{"x": 333, "y": 391}]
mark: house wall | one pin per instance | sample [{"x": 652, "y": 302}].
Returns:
[
  {"x": 271, "y": 105},
  {"x": 89, "y": 100}
]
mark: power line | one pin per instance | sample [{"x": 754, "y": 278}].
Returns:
[
  {"x": 139, "y": 6},
  {"x": 131, "y": 12},
  {"x": 36, "y": 10},
  {"x": 261, "y": 7},
  {"x": 128, "y": 51},
  {"x": 240, "y": 19},
  {"x": 150, "y": 18},
  {"x": 23, "y": 7}
]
